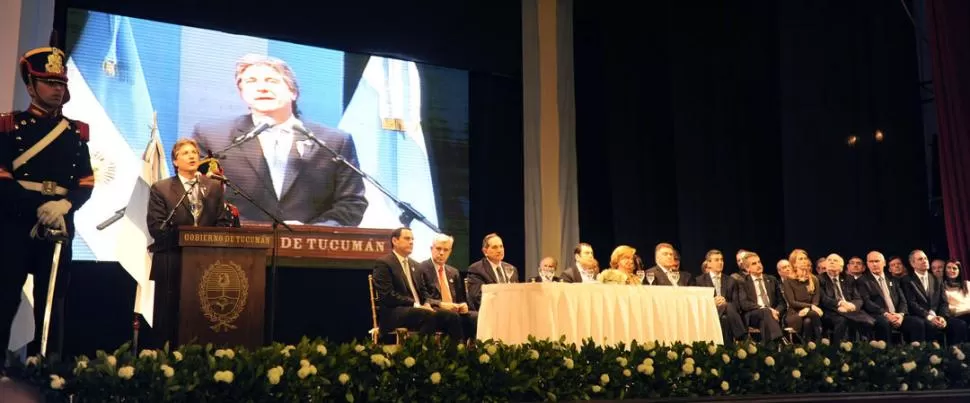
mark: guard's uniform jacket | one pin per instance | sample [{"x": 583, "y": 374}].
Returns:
[{"x": 43, "y": 157}]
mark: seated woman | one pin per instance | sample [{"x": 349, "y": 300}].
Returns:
[
  {"x": 621, "y": 267},
  {"x": 956, "y": 291},
  {"x": 802, "y": 294}
]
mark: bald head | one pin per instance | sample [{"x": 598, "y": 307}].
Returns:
[{"x": 834, "y": 264}]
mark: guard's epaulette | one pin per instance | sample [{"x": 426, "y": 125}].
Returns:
[
  {"x": 7, "y": 121},
  {"x": 83, "y": 130}
]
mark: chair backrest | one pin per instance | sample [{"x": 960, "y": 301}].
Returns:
[{"x": 376, "y": 330}]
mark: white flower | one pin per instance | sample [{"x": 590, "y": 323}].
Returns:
[
  {"x": 148, "y": 354},
  {"x": 33, "y": 361},
  {"x": 909, "y": 366},
  {"x": 769, "y": 361},
  {"x": 126, "y": 372},
  {"x": 604, "y": 379},
  {"x": 491, "y": 349},
  {"x": 826, "y": 361},
  {"x": 752, "y": 349},
  {"x": 57, "y": 382},
  {"x": 409, "y": 362},
  {"x": 914, "y": 344},
  {"x": 872, "y": 363},
  {"x": 711, "y": 349},
  {"x": 81, "y": 365},
  {"x": 828, "y": 379},
  {"x": 627, "y": 373},
  {"x": 167, "y": 371},
  {"x": 714, "y": 372},
  {"x": 322, "y": 349},
  {"x": 343, "y": 378},
  {"x": 304, "y": 363},
  {"x": 742, "y": 354},
  {"x": 648, "y": 361},
  {"x": 223, "y": 376},
  {"x": 935, "y": 360},
  {"x": 648, "y": 370},
  {"x": 698, "y": 371},
  {"x": 878, "y": 344},
  {"x": 934, "y": 372},
  {"x": 845, "y": 367},
  {"x": 671, "y": 355},
  {"x": 274, "y": 374},
  {"x": 177, "y": 355},
  {"x": 847, "y": 346},
  {"x": 936, "y": 345},
  {"x": 800, "y": 352},
  {"x": 359, "y": 348},
  {"x": 227, "y": 353},
  {"x": 725, "y": 386},
  {"x": 621, "y": 361},
  {"x": 306, "y": 371},
  {"x": 959, "y": 355},
  {"x": 688, "y": 351},
  {"x": 286, "y": 350},
  {"x": 687, "y": 368},
  {"x": 811, "y": 345},
  {"x": 826, "y": 341},
  {"x": 484, "y": 358},
  {"x": 111, "y": 360},
  {"x": 904, "y": 387},
  {"x": 689, "y": 360},
  {"x": 756, "y": 376},
  {"x": 596, "y": 388},
  {"x": 391, "y": 349},
  {"x": 796, "y": 374},
  {"x": 380, "y": 360},
  {"x": 650, "y": 345},
  {"x": 435, "y": 378},
  {"x": 568, "y": 363},
  {"x": 533, "y": 355},
  {"x": 726, "y": 358}
]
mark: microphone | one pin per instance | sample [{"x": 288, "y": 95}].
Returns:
[
  {"x": 299, "y": 128},
  {"x": 261, "y": 127}
]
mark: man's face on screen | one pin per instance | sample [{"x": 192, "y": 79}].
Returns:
[{"x": 264, "y": 90}]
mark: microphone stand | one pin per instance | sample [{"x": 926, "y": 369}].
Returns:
[
  {"x": 168, "y": 220},
  {"x": 273, "y": 259},
  {"x": 221, "y": 153},
  {"x": 408, "y": 212}
]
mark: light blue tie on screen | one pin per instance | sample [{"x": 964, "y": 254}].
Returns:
[{"x": 277, "y": 164}]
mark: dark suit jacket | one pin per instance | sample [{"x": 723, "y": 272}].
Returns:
[
  {"x": 571, "y": 274},
  {"x": 162, "y": 199},
  {"x": 660, "y": 278},
  {"x": 392, "y": 289},
  {"x": 872, "y": 300},
  {"x": 429, "y": 283},
  {"x": 479, "y": 274},
  {"x": 729, "y": 288},
  {"x": 316, "y": 190},
  {"x": 830, "y": 301},
  {"x": 919, "y": 303},
  {"x": 749, "y": 296}
]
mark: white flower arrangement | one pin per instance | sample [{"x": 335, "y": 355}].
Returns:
[{"x": 612, "y": 276}]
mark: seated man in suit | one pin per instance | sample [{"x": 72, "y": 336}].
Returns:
[
  {"x": 841, "y": 302},
  {"x": 280, "y": 168},
  {"x": 443, "y": 286},
  {"x": 489, "y": 270},
  {"x": 584, "y": 265},
  {"x": 926, "y": 299},
  {"x": 547, "y": 271},
  {"x": 884, "y": 300},
  {"x": 726, "y": 296},
  {"x": 667, "y": 270},
  {"x": 761, "y": 299},
  {"x": 400, "y": 296}
]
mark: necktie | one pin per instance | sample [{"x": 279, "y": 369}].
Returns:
[
  {"x": 764, "y": 293},
  {"x": 838, "y": 289},
  {"x": 443, "y": 285},
  {"x": 407, "y": 273},
  {"x": 674, "y": 278},
  {"x": 885, "y": 295},
  {"x": 926, "y": 283},
  {"x": 277, "y": 169},
  {"x": 501, "y": 274},
  {"x": 717, "y": 286}
]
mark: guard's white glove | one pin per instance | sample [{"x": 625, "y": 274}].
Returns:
[
  {"x": 49, "y": 212},
  {"x": 39, "y": 231}
]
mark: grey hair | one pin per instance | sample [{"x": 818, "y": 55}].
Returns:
[{"x": 438, "y": 238}]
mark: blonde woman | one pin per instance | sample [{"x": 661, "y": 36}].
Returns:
[
  {"x": 803, "y": 295},
  {"x": 621, "y": 262}
]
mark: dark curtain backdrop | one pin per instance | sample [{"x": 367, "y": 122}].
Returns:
[
  {"x": 484, "y": 38},
  {"x": 724, "y": 125},
  {"x": 949, "y": 36}
]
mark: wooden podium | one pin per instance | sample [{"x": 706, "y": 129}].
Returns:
[{"x": 223, "y": 287}]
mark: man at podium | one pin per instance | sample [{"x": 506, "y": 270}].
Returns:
[{"x": 188, "y": 198}]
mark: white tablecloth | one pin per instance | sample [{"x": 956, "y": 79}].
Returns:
[{"x": 607, "y": 313}]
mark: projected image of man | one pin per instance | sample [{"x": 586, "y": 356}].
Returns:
[{"x": 282, "y": 170}]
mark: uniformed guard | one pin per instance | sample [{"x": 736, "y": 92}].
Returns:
[
  {"x": 45, "y": 177},
  {"x": 210, "y": 167}
]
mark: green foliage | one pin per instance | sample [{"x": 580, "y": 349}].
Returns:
[{"x": 422, "y": 369}]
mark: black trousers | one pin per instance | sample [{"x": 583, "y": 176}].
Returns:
[{"x": 23, "y": 255}]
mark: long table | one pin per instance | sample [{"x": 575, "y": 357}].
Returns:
[{"x": 607, "y": 313}]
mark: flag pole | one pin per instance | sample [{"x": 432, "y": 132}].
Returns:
[{"x": 136, "y": 322}]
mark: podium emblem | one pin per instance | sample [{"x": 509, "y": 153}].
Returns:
[{"x": 223, "y": 291}]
